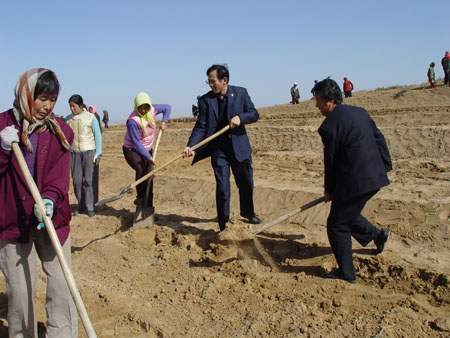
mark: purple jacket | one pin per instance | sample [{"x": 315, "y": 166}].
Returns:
[{"x": 52, "y": 174}]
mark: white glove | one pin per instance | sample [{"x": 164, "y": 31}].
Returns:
[
  {"x": 48, "y": 204},
  {"x": 8, "y": 136},
  {"x": 97, "y": 159}
]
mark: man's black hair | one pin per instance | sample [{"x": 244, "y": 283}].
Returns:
[
  {"x": 222, "y": 71},
  {"x": 47, "y": 83},
  {"x": 329, "y": 90}
]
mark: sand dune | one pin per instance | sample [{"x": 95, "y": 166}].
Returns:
[{"x": 180, "y": 279}]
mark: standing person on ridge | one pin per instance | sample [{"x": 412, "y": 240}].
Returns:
[
  {"x": 86, "y": 153},
  {"x": 44, "y": 140},
  {"x": 138, "y": 141},
  {"x": 226, "y": 105},
  {"x": 445, "y": 64},
  {"x": 295, "y": 95},
  {"x": 105, "y": 118},
  {"x": 446, "y": 67},
  {"x": 431, "y": 76},
  {"x": 348, "y": 87},
  {"x": 356, "y": 160}
]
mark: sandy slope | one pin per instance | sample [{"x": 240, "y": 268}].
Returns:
[{"x": 180, "y": 279}]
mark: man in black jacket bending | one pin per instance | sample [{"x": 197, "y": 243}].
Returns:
[{"x": 356, "y": 159}]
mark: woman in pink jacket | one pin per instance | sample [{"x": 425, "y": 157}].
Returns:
[{"x": 45, "y": 141}]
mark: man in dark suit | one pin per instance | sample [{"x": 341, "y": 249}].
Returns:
[
  {"x": 356, "y": 159},
  {"x": 226, "y": 105}
]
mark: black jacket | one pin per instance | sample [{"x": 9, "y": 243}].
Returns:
[{"x": 356, "y": 155}]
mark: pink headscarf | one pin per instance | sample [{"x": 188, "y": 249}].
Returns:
[
  {"x": 94, "y": 111},
  {"x": 23, "y": 109}
]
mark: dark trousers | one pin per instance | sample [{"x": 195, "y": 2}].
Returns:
[
  {"x": 222, "y": 159},
  {"x": 82, "y": 170},
  {"x": 142, "y": 166},
  {"x": 344, "y": 221},
  {"x": 348, "y": 94},
  {"x": 95, "y": 179},
  {"x": 446, "y": 77}
]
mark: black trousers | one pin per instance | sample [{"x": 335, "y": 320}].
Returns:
[
  {"x": 142, "y": 166},
  {"x": 344, "y": 222},
  {"x": 222, "y": 159}
]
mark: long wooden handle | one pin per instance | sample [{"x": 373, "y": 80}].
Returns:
[
  {"x": 198, "y": 145},
  {"x": 289, "y": 214},
  {"x": 55, "y": 242},
  {"x": 147, "y": 191},
  {"x": 157, "y": 145}
]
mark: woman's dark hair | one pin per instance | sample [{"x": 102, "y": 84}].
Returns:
[
  {"x": 47, "y": 83},
  {"x": 329, "y": 90},
  {"x": 222, "y": 71},
  {"x": 77, "y": 99}
]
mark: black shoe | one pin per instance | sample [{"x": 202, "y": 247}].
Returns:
[
  {"x": 337, "y": 275},
  {"x": 139, "y": 201},
  {"x": 222, "y": 226},
  {"x": 380, "y": 241},
  {"x": 254, "y": 220}
]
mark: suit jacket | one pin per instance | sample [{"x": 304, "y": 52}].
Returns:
[
  {"x": 239, "y": 103},
  {"x": 356, "y": 155}
]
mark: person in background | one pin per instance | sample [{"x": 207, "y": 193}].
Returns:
[
  {"x": 44, "y": 140},
  {"x": 105, "y": 118},
  {"x": 96, "y": 172},
  {"x": 445, "y": 65},
  {"x": 226, "y": 105},
  {"x": 315, "y": 82},
  {"x": 295, "y": 95},
  {"x": 92, "y": 110},
  {"x": 138, "y": 142},
  {"x": 356, "y": 160},
  {"x": 348, "y": 87},
  {"x": 431, "y": 76},
  {"x": 86, "y": 153},
  {"x": 195, "y": 108}
]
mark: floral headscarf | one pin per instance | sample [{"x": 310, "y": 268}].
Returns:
[{"x": 23, "y": 109}]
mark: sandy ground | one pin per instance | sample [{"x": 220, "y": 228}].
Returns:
[{"x": 179, "y": 278}]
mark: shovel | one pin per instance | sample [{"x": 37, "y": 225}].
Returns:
[
  {"x": 289, "y": 214},
  {"x": 153, "y": 172},
  {"x": 55, "y": 242},
  {"x": 145, "y": 214}
]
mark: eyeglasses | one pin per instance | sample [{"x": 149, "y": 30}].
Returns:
[{"x": 211, "y": 82}]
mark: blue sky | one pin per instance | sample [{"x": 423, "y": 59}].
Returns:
[{"x": 107, "y": 51}]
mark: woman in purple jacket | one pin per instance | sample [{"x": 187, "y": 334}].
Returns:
[
  {"x": 138, "y": 142},
  {"x": 45, "y": 142}
]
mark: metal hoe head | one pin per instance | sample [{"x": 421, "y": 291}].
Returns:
[
  {"x": 110, "y": 199},
  {"x": 144, "y": 216}
]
